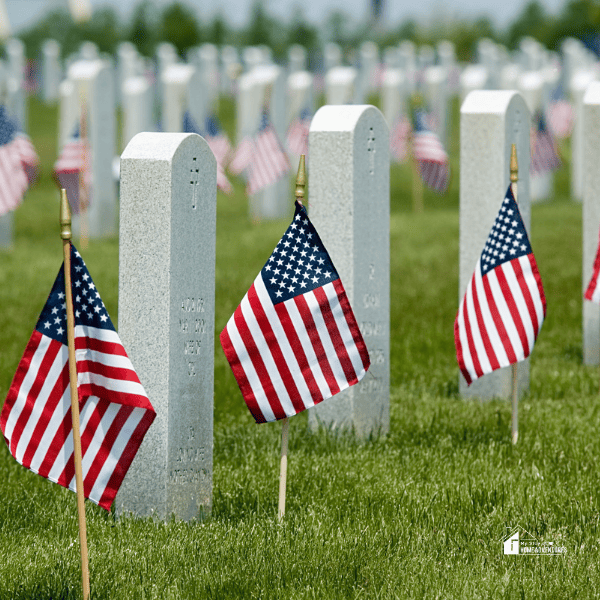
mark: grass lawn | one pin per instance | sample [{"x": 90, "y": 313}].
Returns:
[{"x": 419, "y": 513}]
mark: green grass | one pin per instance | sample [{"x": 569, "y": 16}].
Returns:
[{"x": 418, "y": 513}]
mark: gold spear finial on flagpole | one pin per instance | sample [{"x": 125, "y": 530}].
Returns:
[
  {"x": 514, "y": 178},
  {"x": 65, "y": 234},
  {"x": 301, "y": 180}
]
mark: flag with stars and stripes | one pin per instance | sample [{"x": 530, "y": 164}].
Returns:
[
  {"x": 13, "y": 176},
  {"x": 115, "y": 410},
  {"x": 297, "y": 134},
  {"x": 294, "y": 341},
  {"x": 560, "y": 114},
  {"x": 544, "y": 153},
  {"x": 504, "y": 306},
  {"x": 72, "y": 171},
  {"x": 268, "y": 161},
  {"x": 593, "y": 289},
  {"x": 429, "y": 153},
  {"x": 29, "y": 158},
  {"x": 217, "y": 142},
  {"x": 242, "y": 157}
]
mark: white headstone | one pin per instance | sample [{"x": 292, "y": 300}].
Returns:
[
  {"x": 16, "y": 96},
  {"x": 332, "y": 56},
  {"x": 436, "y": 94},
  {"x": 5, "y": 29},
  {"x": 349, "y": 204},
  {"x": 391, "y": 58},
  {"x": 490, "y": 122},
  {"x": 182, "y": 90},
  {"x": 579, "y": 84},
  {"x": 137, "y": 107},
  {"x": 206, "y": 60},
  {"x": 474, "y": 77},
  {"x": 532, "y": 86},
  {"x": 51, "y": 70},
  {"x": 296, "y": 58},
  {"x": 509, "y": 76},
  {"x": 129, "y": 64},
  {"x": 488, "y": 56},
  {"x": 393, "y": 95},
  {"x": 68, "y": 111},
  {"x": 591, "y": 218},
  {"x": 231, "y": 69},
  {"x": 367, "y": 70},
  {"x": 88, "y": 51},
  {"x": 408, "y": 63},
  {"x": 300, "y": 95},
  {"x": 94, "y": 81},
  {"x": 166, "y": 318},
  {"x": 340, "y": 85},
  {"x": 426, "y": 57}
]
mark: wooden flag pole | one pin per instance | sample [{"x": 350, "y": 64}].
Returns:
[
  {"x": 65, "y": 234},
  {"x": 514, "y": 177},
  {"x": 300, "y": 194}
]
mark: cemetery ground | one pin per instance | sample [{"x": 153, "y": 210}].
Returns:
[{"x": 418, "y": 513}]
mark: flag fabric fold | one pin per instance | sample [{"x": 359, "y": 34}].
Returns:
[
  {"x": 429, "y": 153},
  {"x": 115, "y": 412},
  {"x": 544, "y": 153},
  {"x": 218, "y": 143},
  {"x": 399, "y": 138},
  {"x": 13, "y": 164},
  {"x": 294, "y": 341},
  {"x": 72, "y": 170},
  {"x": 592, "y": 291},
  {"x": 560, "y": 114},
  {"x": 504, "y": 306}
]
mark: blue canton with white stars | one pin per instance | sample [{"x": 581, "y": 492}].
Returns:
[
  {"x": 8, "y": 128},
  {"x": 299, "y": 263},
  {"x": 88, "y": 307},
  {"x": 508, "y": 238}
]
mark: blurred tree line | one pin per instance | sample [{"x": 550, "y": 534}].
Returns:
[{"x": 180, "y": 25}]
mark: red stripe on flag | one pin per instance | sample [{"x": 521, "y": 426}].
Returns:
[
  {"x": 512, "y": 307},
  {"x": 240, "y": 377},
  {"x": 526, "y": 295},
  {"x": 502, "y": 333},
  {"x": 485, "y": 338},
  {"x": 320, "y": 353}
]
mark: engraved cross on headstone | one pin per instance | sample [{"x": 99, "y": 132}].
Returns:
[{"x": 194, "y": 183}]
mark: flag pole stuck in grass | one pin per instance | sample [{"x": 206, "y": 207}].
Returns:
[
  {"x": 294, "y": 341},
  {"x": 514, "y": 178},
  {"x": 300, "y": 195},
  {"x": 65, "y": 234}
]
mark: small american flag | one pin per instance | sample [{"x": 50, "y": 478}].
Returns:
[
  {"x": 399, "y": 137},
  {"x": 115, "y": 411},
  {"x": 71, "y": 170},
  {"x": 217, "y": 140},
  {"x": 28, "y": 155},
  {"x": 297, "y": 134},
  {"x": 593, "y": 289},
  {"x": 544, "y": 153},
  {"x": 217, "y": 145},
  {"x": 13, "y": 177},
  {"x": 268, "y": 161},
  {"x": 293, "y": 341},
  {"x": 242, "y": 157},
  {"x": 504, "y": 306},
  {"x": 430, "y": 155},
  {"x": 560, "y": 114}
]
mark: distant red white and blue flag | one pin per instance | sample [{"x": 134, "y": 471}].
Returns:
[
  {"x": 592, "y": 292},
  {"x": 294, "y": 341},
  {"x": 544, "y": 153},
  {"x": 217, "y": 142},
  {"x": 13, "y": 175},
  {"x": 297, "y": 134},
  {"x": 504, "y": 306},
  {"x": 72, "y": 170},
  {"x": 399, "y": 138},
  {"x": 115, "y": 412},
  {"x": 560, "y": 114},
  {"x": 429, "y": 153}
]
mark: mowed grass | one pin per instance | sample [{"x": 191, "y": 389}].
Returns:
[{"x": 418, "y": 513}]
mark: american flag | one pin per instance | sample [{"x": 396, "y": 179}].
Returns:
[
  {"x": 593, "y": 289},
  {"x": 399, "y": 137},
  {"x": 430, "y": 155},
  {"x": 504, "y": 306},
  {"x": 297, "y": 134},
  {"x": 560, "y": 114},
  {"x": 218, "y": 143},
  {"x": 13, "y": 177},
  {"x": 293, "y": 341},
  {"x": 242, "y": 156},
  {"x": 72, "y": 170},
  {"x": 217, "y": 140},
  {"x": 28, "y": 155},
  {"x": 268, "y": 162},
  {"x": 544, "y": 153},
  {"x": 115, "y": 411}
]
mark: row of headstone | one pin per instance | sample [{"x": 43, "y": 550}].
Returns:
[{"x": 167, "y": 270}]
